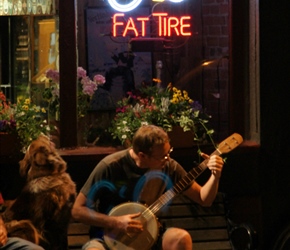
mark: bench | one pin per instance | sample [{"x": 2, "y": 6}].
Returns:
[
  {"x": 209, "y": 227},
  {"x": 78, "y": 234}
]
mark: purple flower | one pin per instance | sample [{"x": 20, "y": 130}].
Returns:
[
  {"x": 7, "y": 125},
  {"x": 89, "y": 87},
  {"x": 121, "y": 109},
  {"x": 81, "y": 73},
  {"x": 2, "y": 125},
  {"x": 53, "y": 75},
  {"x": 196, "y": 106},
  {"x": 85, "y": 80},
  {"x": 13, "y": 124},
  {"x": 99, "y": 79}
]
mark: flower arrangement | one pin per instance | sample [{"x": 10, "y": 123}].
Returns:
[
  {"x": 24, "y": 119},
  {"x": 86, "y": 89},
  {"x": 162, "y": 107}
]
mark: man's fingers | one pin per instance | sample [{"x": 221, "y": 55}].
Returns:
[
  {"x": 204, "y": 156},
  {"x": 135, "y": 215}
]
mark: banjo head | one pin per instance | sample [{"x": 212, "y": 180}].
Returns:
[{"x": 139, "y": 241}]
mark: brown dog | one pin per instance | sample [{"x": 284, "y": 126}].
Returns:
[{"x": 46, "y": 199}]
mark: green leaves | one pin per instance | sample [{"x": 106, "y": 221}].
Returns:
[{"x": 30, "y": 121}]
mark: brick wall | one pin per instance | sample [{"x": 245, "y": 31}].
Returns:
[{"x": 215, "y": 29}]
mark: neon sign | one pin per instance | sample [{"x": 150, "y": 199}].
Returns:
[
  {"x": 132, "y": 5},
  {"x": 167, "y": 25}
]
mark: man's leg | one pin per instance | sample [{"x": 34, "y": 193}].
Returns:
[
  {"x": 176, "y": 239},
  {"x": 94, "y": 244}
]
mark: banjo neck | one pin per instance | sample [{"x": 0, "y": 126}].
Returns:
[{"x": 180, "y": 186}]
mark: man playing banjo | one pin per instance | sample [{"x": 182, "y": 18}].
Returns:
[{"x": 112, "y": 197}]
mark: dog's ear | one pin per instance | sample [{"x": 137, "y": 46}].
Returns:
[
  {"x": 36, "y": 154},
  {"x": 25, "y": 164}
]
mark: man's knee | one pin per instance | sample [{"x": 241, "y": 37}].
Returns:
[
  {"x": 94, "y": 244},
  {"x": 176, "y": 238}
]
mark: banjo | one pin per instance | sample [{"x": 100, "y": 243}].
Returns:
[{"x": 145, "y": 239}]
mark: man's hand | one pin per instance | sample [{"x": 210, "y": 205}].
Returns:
[
  {"x": 3, "y": 234},
  {"x": 129, "y": 224},
  {"x": 215, "y": 164}
]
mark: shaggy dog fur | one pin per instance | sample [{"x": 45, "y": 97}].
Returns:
[{"x": 42, "y": 211}]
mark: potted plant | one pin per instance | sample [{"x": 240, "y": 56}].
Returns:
[
  {"x": 168, "y": 108},
  {"x": 86, "y": 89},
  {"x": 23, "y": 121}
]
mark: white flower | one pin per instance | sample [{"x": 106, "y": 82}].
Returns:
[
  {"x": 164, "y": 104},
  {"x": 124, "y": 136},
  {"x": 138, "y": 108},
  {"x": 20, "y": 114},
  {"x": 126, "y": 129}
]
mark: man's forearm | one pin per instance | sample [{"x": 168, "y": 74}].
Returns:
[
  {"x": 93, "y": 218},
  {"x": 209, "y": 190}
]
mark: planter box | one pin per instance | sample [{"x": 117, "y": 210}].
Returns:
[
  {"x": 181, "y": 139},
  {"x": 9, "y": 144}
]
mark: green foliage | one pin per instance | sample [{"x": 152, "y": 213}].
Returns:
[{"x": 24, "y": 118}]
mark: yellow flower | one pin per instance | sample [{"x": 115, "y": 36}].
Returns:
[
  {"x": 43, "y": 110},
  {"x": 27, "y": 101},
  {"x": 174, "y": 100},
  {"x": 25, "y": 107}
]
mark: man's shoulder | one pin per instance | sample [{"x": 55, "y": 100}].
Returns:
[
  {"x": 115, "y": 157},
  {"x": 173, "y": 167}
]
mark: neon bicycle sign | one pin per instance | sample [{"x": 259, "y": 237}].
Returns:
[{"x": 132, "y": 5}]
